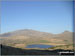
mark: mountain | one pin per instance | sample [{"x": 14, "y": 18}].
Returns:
[
  {"x": 21, "y": 38},
  {"x": 25, "y": 32},
  {"x": 66, "y": 36}
]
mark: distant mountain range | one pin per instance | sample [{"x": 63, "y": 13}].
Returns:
[{"x": 28, "y": 36}]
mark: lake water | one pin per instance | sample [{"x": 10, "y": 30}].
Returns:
[{"x": 39, "y": 46}]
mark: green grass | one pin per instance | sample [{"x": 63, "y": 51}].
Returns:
[
  {"x": 62, "y": 46},
  {"x": 44, "y": 41}
]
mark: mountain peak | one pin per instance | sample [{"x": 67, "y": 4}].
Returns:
[{"x": 65, "y": 32}]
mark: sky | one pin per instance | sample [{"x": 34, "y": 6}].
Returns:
[{"x": 46, "y": 16}]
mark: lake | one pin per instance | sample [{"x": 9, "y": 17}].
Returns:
[{"x": 39, "y": 46}]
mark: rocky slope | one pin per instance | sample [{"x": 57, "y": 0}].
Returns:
[{"x": 28, "y": 36}]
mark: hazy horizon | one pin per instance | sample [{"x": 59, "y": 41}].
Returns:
[
  {"x": 53, "y": 17},
  {"x": 35, "y": 30}
]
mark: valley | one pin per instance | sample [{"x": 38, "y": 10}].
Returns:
[{"x": 22, "y": 38}]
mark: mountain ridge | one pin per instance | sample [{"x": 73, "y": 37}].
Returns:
[
  {"x": 27, "y": 30},
  {"x": 26, "y": 37}
]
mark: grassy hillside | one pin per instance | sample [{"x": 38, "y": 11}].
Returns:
[
  {"x": 22, "y": 38},
  {"x": 65, "y": 47}
]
